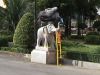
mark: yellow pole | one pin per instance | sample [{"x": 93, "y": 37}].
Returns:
[
  {"x": 59, "y": 42},
  {"x": 60, "y": 51},
  {"x": 58, "y": 46},
  {"x": 57, "y": 52}
]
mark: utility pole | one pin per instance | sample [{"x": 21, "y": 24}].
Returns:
[{"x": 35, "y": 20}]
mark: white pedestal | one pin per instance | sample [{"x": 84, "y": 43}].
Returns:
[{"x": 42, "y": 56}]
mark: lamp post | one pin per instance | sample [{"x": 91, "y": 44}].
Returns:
[{"x": 35, "y": 21}]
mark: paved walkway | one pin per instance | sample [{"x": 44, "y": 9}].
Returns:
[{"x": 12, "y": 65}]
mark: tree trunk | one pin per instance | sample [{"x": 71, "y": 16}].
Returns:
[
  {"x": 78, "y": 22},
  {"x": 66, "y": 26},
  {"x": 69, "y": 25}
]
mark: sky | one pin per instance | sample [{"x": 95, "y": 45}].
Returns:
[{"x": 2, "y": 4}]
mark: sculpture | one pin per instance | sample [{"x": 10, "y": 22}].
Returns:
[
  {"x": 49, "y": 15},
  {"x": 46, "y": 35},
  {"x": 48, "y": 18}
]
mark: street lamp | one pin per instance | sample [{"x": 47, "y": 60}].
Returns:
[{"x": 35, "y": 21}]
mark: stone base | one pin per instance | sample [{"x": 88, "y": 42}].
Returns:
[{"x": 42, "y": 56}]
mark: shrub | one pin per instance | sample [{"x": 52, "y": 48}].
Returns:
[
  {"x": 5, "y": 49},
  {"x": 75, "y": 37},
  {"x": 83, "y": 56},
  {"x": 3, "y": 42},
  {"x": 93, "y": 33},
  {"x": 71, "y": 44},
  {"x": 96, "y": 24},
  {"x": 92, "y": 39},
  {"x": 9, "y": 38},
  {"x": 24, "y": 33},
  {"x": 97, "y": 50},
  {"x": 98, "y": 29},
  {"x": 82, "y": 25}
]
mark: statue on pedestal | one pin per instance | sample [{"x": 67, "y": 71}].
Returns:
[{"x": 49, "y": 20}]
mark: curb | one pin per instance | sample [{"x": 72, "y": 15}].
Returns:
[
  {"x": 82, "y": 64},
  {"x": 21, "y": 55}
]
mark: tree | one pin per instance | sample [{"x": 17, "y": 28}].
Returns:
[
  {"x": 82, "y": 26},
  {"x": 24, "y": 33},
  {"x": 85, "y": 9},
  {"x": 65, "y": 7},
  {"x": 96, "y": 24},
  {"x": 14, "y": 11}
]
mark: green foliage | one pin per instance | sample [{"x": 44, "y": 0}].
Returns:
[
  {"x": 69, "y": 44},
  {"x": 41, "y": 4},
  {"x": 82, "y": 25},
  {"x": 9, "y": 38},
  {"x": 97, "y": 50},
  {"x": 83, "y": 56},
  {"x": 93, "y": 33},
  {"x": 98, "y": 29},
  {"x": 10, "y": 16},
  {"x": 3, "y": 42},
  {"x": 76, "y": 51},
  {"x": 75, "y": 37},
  {"x": 96, "y": 24},
  {"x": 16, "y": 49},
  {"x": 5, "y": 49},
  {"x": 24, "y": 33},
  {"x": 92, "y": 39}
]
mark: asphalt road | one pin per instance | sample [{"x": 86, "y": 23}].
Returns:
[{"x": 12, "y": 65}]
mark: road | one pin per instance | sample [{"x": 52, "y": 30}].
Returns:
[{"x": 12, "y": 65}]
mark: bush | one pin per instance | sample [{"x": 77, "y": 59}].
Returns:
[
  {"x": 97, "y": 50},
  {"x": 9, "y": 38},
  {"x": 96, "y": 24},
  {"x": 75, "y": 37},
  {"x": 83, "y": 56},
  {"x": 5, "y": 49},
  {"x": 98, "y": 29},
  {"x": 82, "y": 26},
  {"x": 16, "y": 49},
  {"x": 92, "y": 39},
  {"x": 71, "y": 44},
  {"x": 93, "y": 33},
  {"x": 3, "y": 42},
  {"x": 24, "y": 33}
]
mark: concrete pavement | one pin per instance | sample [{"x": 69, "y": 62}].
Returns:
[{"x": 14, "y": 65}]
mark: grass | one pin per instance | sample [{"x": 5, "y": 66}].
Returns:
[
  {"x": 76, "y": 46},
  {"x": 78, "y": 51}
]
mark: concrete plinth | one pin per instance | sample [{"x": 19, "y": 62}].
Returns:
[{"x": 42, "y": 56}]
